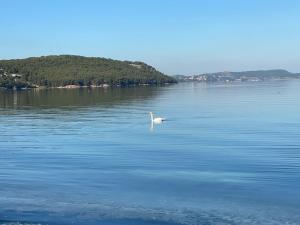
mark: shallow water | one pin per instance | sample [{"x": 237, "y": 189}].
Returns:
[{"x": 228, "y": 154}]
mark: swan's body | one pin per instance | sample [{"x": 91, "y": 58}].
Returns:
[{"x": 157, "y": 119}]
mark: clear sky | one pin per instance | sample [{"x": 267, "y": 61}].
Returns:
[{"x": 175, "y": 36}]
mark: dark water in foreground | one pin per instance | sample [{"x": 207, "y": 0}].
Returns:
[{"x": 228, "y": 154}]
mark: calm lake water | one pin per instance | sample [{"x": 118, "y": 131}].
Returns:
[{"x": 228, "y": 154}]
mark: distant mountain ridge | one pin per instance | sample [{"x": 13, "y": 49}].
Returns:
[
  {"x": 77, "y": 71},
  {"x": 227, "y": 76}
]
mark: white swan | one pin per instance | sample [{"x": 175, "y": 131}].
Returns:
[{"x": 157, "y": 119}]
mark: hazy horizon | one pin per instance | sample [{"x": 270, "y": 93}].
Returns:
[
  {"x": 176, "y": 37},
  {"x": 196, "y": 73}
]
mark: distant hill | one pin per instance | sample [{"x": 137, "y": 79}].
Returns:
[
  {"x": 259, "y": 75},
  {"x": 64, "y": 70}
]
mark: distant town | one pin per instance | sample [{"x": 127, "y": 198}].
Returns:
[{"x": 250, "y": 76}]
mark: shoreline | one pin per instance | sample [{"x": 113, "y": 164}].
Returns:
[{"x": 84, "y": 86}]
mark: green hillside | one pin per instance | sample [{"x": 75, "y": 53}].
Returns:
[{"x": 55, "y": 71}]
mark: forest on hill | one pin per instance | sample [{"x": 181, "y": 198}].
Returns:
[{"x": 64, "y": 70}]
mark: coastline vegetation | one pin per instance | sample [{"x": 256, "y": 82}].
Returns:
[{"x": 77, "y": 71}]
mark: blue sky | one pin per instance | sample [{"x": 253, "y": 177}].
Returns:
[{"x": 175, "y": 36}]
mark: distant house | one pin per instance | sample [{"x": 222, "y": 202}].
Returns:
[
  {"x": 14, "y": 75},
  {"x": 136, "y": 65}
]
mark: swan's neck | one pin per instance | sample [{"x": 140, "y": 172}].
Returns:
[{"x": 151, "y": 115}]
